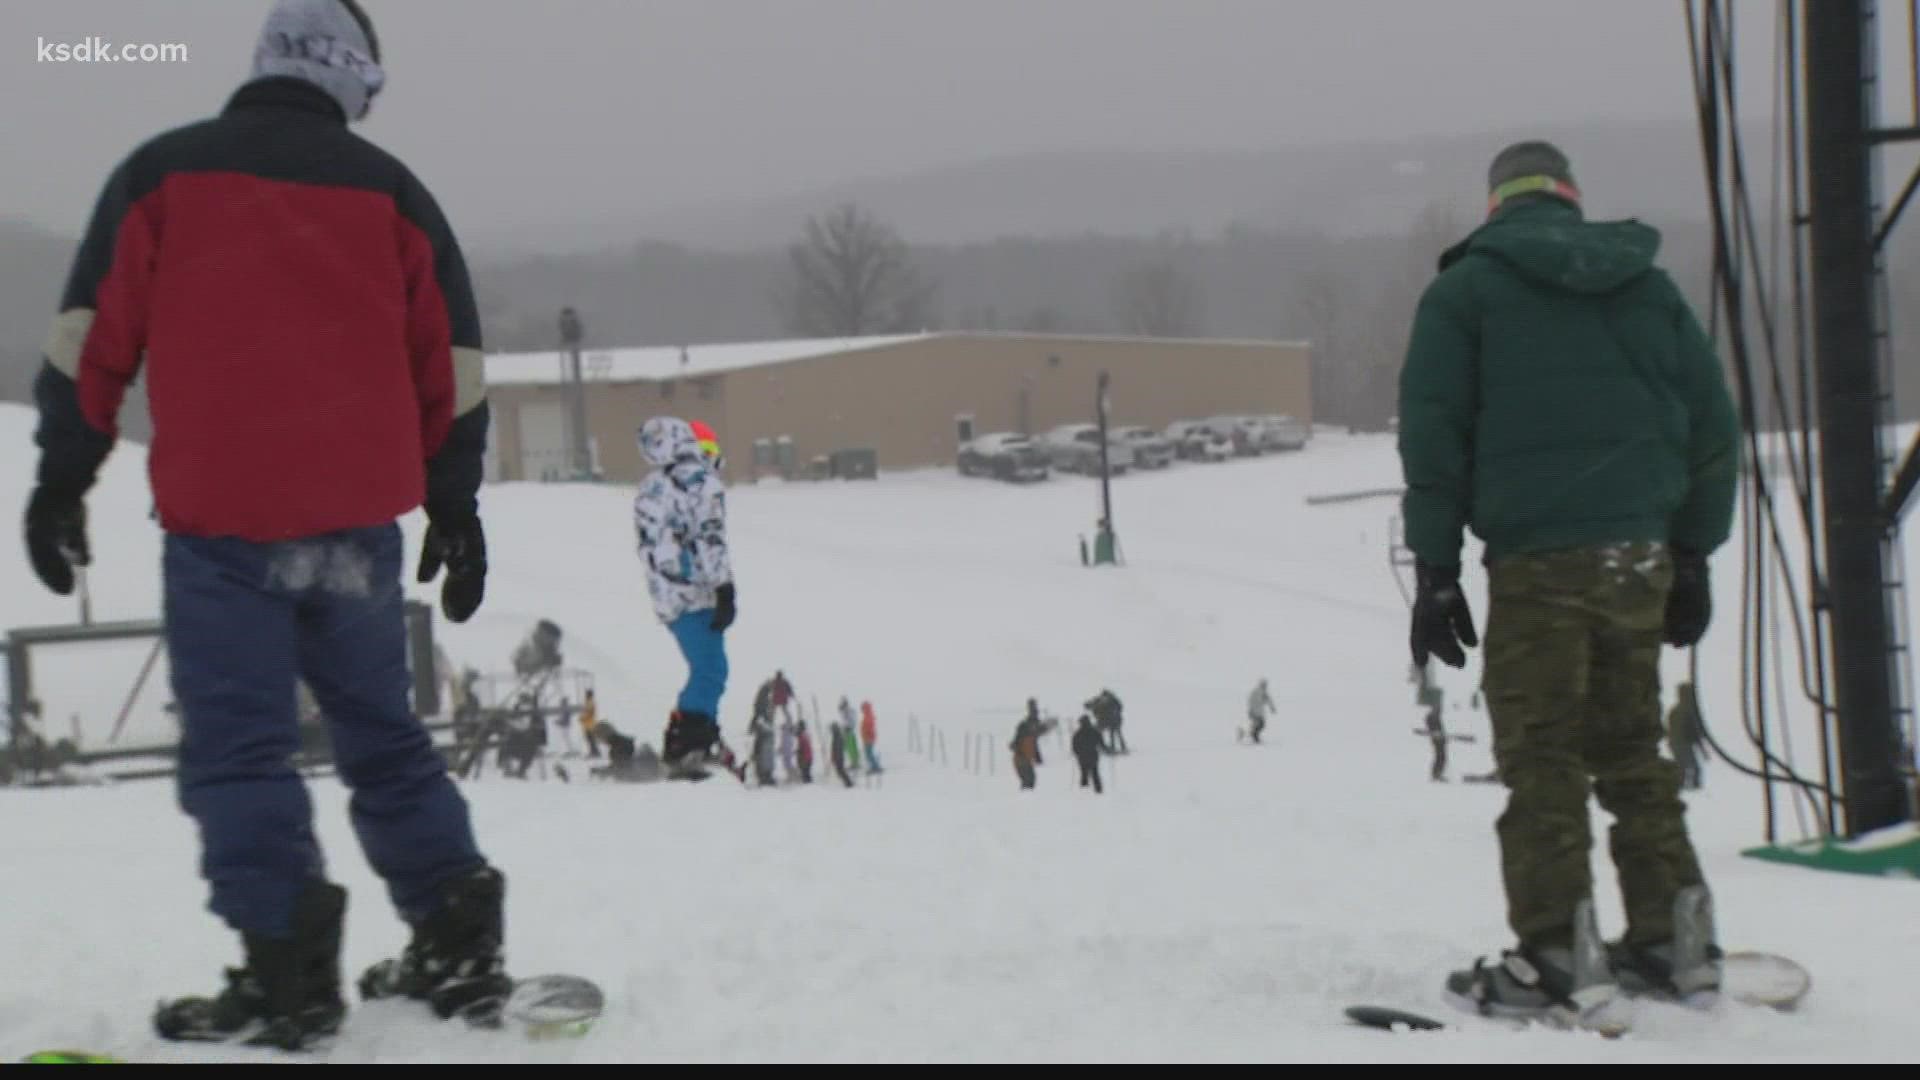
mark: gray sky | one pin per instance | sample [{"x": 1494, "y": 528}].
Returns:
[{"x": 519, "y": 113}]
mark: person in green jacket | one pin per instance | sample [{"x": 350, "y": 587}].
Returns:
[{"x": 1560, "y": 399}]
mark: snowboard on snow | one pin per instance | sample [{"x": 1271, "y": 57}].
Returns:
[
  {"x": 1749, "y": 977},
  {"x": 553, "y": 1006},
  {"x": 539, "y": 1008},
  {"x": 699, "y": 766}
]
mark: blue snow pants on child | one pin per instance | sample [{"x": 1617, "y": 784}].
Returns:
[{"x": 706, "y": 651}]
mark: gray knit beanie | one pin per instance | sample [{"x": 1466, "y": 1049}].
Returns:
[
  {"x": 1530, "y": 167},
  {"x": 329, "y": 43}
]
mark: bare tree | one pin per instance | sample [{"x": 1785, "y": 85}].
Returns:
[
  {"x": 1158, "y": 299},
  {"x": 851, "y": 274}
]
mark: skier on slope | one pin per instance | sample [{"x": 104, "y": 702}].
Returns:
[
  {"x": 850, "y": 733},
  {"x": 1026, "y": 745},
  {"x": 1560, "y": 398},
  {"x": 1683, "y": 736},
  {"x": 789, "y": 733},
  {"x": 679, "y": 518},
  {"x": 1087, "y": 749},
  {"x": 1106, "y": 710},
  {"x": 302, "y": 314},
  {"x": 869, "y": 735},
  {"x": 1259, "y": 707},
  {"x": 837, "y": 752},
  {"x": 803, "y": 752}
]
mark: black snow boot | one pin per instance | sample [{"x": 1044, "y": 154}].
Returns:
[
  {"x": 456, "y": 961},
  {"x": 1685, "y": 968},
  {"x": 1565, "y": 986},
  {"x": 287, "y": 995},
  {"x": 691, "y": 743}
]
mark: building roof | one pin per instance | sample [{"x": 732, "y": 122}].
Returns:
[{"x": 659, "y": 363}]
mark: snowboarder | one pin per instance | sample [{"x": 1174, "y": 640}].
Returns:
[
  {"x": 1087, "y": 749},
  {"x": 680, "y": 520},
  {"x": 1683, "y": 736},
  {"x": 1106, "y": 710},
  {"x": 1259, "y": 707},
  {"x": 307, "y": 329},
  {"x": 1560, "y": 399}
]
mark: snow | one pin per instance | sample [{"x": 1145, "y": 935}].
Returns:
[{"x": 1220, "y": 902}]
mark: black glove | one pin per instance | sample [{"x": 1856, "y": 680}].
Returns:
[
  {"x": 723, "y": 612},
  {"x": 57, "y": 537},
  {"x": 1441, "y": 621},
  {"x": 461, "y": 544},
  {"x": 1690, "y": 604}
]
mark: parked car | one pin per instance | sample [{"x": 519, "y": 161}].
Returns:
[
  {"x": 1151, "y": 450},
  {"x": 1076, "y": 448},
  {"x": 1244, "y": 431},
  {"x": 1282, "y": 432},
  {"x": 1194, "y": 441},
  {"x": 1005, "y": 456}
]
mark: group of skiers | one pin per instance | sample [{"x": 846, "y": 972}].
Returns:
[
  {"x": 852, "y": 743},
  {"x": 1098, "y": 733}
]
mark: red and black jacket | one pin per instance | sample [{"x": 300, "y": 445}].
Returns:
[{"x": 303, "y": 315}]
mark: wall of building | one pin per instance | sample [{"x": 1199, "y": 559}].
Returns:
[{"x": 902, "y": 400}]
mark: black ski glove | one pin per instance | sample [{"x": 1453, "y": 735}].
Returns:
[
  {"x": 56, "y": 528},
  {"x": 461, "y": 544},
  {"x": 723, "y": 612},
  {"x": 1442, "y": 622},
  {"x": 1690, "y": 604}
]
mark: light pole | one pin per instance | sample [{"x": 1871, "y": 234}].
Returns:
[{"x": 571, "y": 333}]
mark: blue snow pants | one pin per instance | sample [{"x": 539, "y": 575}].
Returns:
[
  {"x": 243, "y": 622},
  {"x": 706, "y": 651}
]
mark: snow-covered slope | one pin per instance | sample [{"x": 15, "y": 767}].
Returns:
[{"x": 1221, "y": 901}]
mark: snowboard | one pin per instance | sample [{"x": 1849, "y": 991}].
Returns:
[
  {"x": 1388, "y": 1018},
  {"x": 1749, "y": 977},
  {"x": 555, "y": 1006}
]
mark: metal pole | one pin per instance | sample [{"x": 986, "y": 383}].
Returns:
[
  {"x": 571, "y": 334},
  {"x": 1106, "y": 474},
  {"x": 1847, "y": 379}
]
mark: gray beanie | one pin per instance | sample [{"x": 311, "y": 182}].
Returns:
[
  {"x": 329, "y": 43},
  {"x": 1531, "y": 167}
]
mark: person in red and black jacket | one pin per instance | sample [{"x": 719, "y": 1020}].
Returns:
[{"x": 302, "y": 313}]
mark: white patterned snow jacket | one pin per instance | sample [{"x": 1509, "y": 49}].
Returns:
[{"x": 680, "y": 518}]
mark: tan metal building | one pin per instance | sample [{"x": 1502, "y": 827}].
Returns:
[{"x": 909, "y": 399}]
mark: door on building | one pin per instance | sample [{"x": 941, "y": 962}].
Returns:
[{"x": 543, "y": 440}]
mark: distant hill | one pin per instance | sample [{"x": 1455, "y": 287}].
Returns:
[{"x": 1345, "y": 189}]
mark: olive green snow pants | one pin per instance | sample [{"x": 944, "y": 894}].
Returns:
[{"x": 1572, "y": 677}]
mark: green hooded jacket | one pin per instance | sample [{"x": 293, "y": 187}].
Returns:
[{"x": 1558, "y": 392}]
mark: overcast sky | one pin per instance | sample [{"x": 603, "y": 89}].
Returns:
[{"x": 519, "y": 113}]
